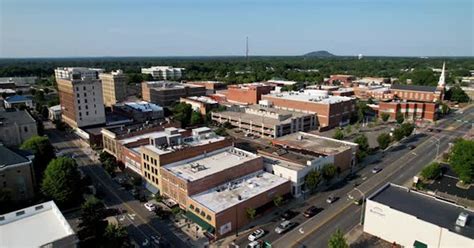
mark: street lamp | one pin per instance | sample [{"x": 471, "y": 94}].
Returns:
[{"x": 363, "y": 204}]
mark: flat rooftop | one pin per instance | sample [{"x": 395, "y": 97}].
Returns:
[
  {"x": 207, "y": 164},
  {"x": 264, "y": 115},
  {"x": 203, "y": 99},
  {"x": 441, "y": 213},
  {"x": 165, "y": 85},
  {"x": 315, "y": 143},
  {"x": 143, "y": 106},
  {"x": 186, "y": 142},
  {"x": 151, "y": 135},
  {"x": 26, "y": 227},
  {"x": 283, "y": 163},
  {"x": 227, "y": 195},
  {"x": 310, "y": 96},
  {"x": 281, "y": 153}
]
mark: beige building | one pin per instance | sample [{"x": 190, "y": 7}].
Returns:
[
  {"x": 16, "y": 174},
  {"x": 80, "y": 95},
  {"x": 166, "y": 93},
  {"x": 16, "y": 127},
  {"x": 114, "y": 87}
]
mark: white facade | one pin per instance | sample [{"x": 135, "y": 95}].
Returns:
[
  {"x": 394, "y": 223},
  {"x": 164, "y": 72},
  {"x": 71, "y": 73},
  {"x": 89, "y": 102}
]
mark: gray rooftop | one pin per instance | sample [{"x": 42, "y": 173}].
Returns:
[
  {"x": 425, "y": 207},
  {"x": 413, "y": 87},
  {"x": 19, "y": 117},
  {"x": 9, "y": 157}
]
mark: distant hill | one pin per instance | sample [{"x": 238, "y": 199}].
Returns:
[{"x": 319, "y": 54}]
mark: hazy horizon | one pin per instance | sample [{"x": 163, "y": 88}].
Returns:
[{"x": 212, "y": 28}]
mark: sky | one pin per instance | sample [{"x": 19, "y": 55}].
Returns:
[{"x": 83, "y": 28}]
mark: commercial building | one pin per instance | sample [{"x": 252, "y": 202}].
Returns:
[
  {"x": 211, "y": 86},
  {"x": 410, "y": 110},
  {"x": 201, "y": 104},
  {"x": 165, "y": 93},
  {"x": 114, "y": 87},
  {"x": 16, "y": 127},
  {"x": 17, "y": 101},
  {"x": 80, "y": 95},
  {"x": 247, "y": 93},
  {"x": 139, "y": 111},
  {"x": 267, "y": 121},
  {"x": 41, "y": 225},
  {"x": 427, "y": 221},
  {"x": 54, "y": 113},
  {"x": 345, "y": 80},
  {"x": 374, "y": 91},
  {"x": 16, "y": 174},
  {"x": 165, "y": 72},
  {"x": 331, "y": 111}
]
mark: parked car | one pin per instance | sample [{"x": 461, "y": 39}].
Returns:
[
  {"x": 376, "y": 170},
  {"x": 311, "y": 211},
  {"x": 288, "y": 215},
  {"x": 150, "y": 206},
  {"x": 256, "y": 234},
  {"x": 255, "y": 244},
  {"x": 358, "y": 201},
  {"x": 411, "y": 147},
  {"x": 331, "y": 199},
  {"x": 284, "y": 226}
]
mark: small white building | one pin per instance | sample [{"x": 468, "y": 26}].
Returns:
[
  {"x": 54, "y": 113},
  {"x": 41, "y": 225},
  {"x": 164, "y": 72},
  {"x": 413, "y": 219}
]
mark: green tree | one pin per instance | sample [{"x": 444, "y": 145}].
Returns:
[
  {"x": 62, "y": 181},
  {"x": 385, "y": 116},
  {"x": 338, "y": 134},
  {"x": 399, "y": 118},
  {"x": 251, "y": 213},
  {"x": 109, "y": 162},
  {"x": 384, "y": 140},
  {"x": 337, "y": 240},
  {"x": 328, "y": 172},
  {"x": 196, "y": 118},
  {"x": 432, "y": 171},
  {"x": 312, "y": 179},
  {"x": 92, "y": 224},
  {"x": 278, "y": 200},
  {"x": 423, "y": 77},
  {"x": 362, "y": 141},
  {"x": 444, "y": 108},
  {"x": 462, "y": 159},
  {"x": 182, "y": 112},
  {"x": 457, "y": 94},
  {"x": 348, "y": 129},
  {"x": 407, "y": 129},
  {"x": 398, "y": 134},
  {"x": 43, "y": 151},
  {"x": 116, "y": 236}
]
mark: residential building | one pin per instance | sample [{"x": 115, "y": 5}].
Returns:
[
  {"x": 16, "y": 174},
  {"x": 165, "y": 72},
  {"x": 17, "y": 101},
  {"x": 201, "y": 104},
  {"x": 427, "y": 221},
  {"x": 166, "y": 93},
  {"x": 80, "y": 95},
  {"x": 247, "y": 93},
  {"x": 54, "y": 113},
  {"x": 16, "y": 127},
  {"x": 41, "y": 225},
  {"x": 331, "y": 111},
  {"x": 266, "y": 121},
  {"x": 140, "y": 111},
  {"x": 114, "y": 87}
]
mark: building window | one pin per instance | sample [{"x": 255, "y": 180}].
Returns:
[
  {"x": 208, "y": 217},
  {"x": 87, "y": 112},
  {"x": 84, "y": 88},
  {"x": 79, "y": 107},
  {"x": 197, "y": 210},
  {"x": 78, "y": 101},
  {"x": 203, "y": 214},
  {"x": 85, "y": 94},
  {"x": 80, "y": 114},
  {"x": 25, "y": 129},
  {"x": 77, "y": 88},
  {"x": 85, "y": 100}
]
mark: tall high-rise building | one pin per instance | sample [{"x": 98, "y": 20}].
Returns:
[
  {"x": 80, "y": 94},
  {"x": 164, "y": 72},
  {"x": 114, "y": 85}
]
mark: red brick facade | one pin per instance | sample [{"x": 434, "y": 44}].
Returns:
[
  {"x": 247, "y": 94},
  {"x": 410, "y": 110}
]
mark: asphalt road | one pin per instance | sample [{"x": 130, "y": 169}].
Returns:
[{"x": 140, "y": 223}]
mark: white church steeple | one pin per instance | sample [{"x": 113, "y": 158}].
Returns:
[{"x": 441, "y": 82}]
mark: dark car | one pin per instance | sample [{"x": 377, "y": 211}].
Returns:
[
  {"x": 311, "y": 211},
  {"x": 411, "y": 147},
  {"x": 288, "y": 215}
]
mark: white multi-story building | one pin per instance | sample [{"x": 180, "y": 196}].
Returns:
[
  {"x": 164, "y": 72},
  {"x": 80, "y": 95}
]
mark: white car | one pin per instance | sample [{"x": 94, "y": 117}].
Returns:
[
  {"x": 256, "y": 234},
  {"x": 284, "y": 226},
  {"x": 255, "y": 244},
  {"x": 150, "y": 206}
]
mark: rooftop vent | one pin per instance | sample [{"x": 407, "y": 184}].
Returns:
[{"x": 462, "y": 219}]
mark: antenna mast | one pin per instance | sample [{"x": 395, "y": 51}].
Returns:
[{"x": 247, "y": 50}]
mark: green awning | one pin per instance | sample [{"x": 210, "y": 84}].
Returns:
[
  {"x": 196, "y": 219},
  {"x": 418, "y": 244}
]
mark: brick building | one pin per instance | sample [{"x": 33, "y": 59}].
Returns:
[
  {"x": 345, "y": 80},
  {"x": 165, "y": 93},
  {"x": 201, "y": 104},
  {"x": 247, "y": 93},
  {"x": 410, "y": 110},
  {"x": 211, "y": 86},
  {"x": 114, "y": 87},
  {"x": 331, "y": 111}
]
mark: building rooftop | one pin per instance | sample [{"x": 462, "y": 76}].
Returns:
[
  {"x": 282, "y": 82},
  {"x": 165, "y": 85},
  {"x": 55, "y": 108},
  {"x": 209, "y": 163},
  {"x": 166, "y": 67},
  {"x": 19, "y": 117},
  {"x": 9, "y": 157},
  {"x": 315, "y": 143},
  {"x": 150, "y": 135},
  {"x": 229, "y": 194},
  {"x": 283, "y": 163},
  {"x": 440, "y": 212},
  {"x": 17, "y": 98},
  {"x": 143, "y": 106},
  {"x": 203, "y": 99},
  {"x": 413, "y": 87},
  {"x": 316, "y": 96},
  {"x": 26, "y": 227}
]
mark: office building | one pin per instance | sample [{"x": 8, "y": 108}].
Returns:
[
  {"x": 427, "y": 221},
  {"x": 331, "y": 111},
  {"x": 211, "y": 86},
  {"x": 41, "y": 225},
  {"x": 80, "y": 95},
  {"x": 247, "y": 94},
  {"x": 114, "y": 87},
  {"x": 345, "y": 80},
  {"x": 16, "y": 127},
  {"x": 165, "y": 72},
  {"x": 201, "y": 104},
  {"x": 166, "y": 93},
  {"x": 16, "y": 174},
  {"x": 139, "y": 111}
]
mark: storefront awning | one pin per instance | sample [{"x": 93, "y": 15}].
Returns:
[{"x": 196, "y": 219}]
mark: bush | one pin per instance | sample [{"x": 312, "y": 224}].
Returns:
[
  {"x": 407, "y": 129},
  {"x": 431, "y": 171},
  {"x": 399, "y": 118},
  {"x": 398, "y": 134},
  {"x": 384, "y": 116},
  {"x": 339, "y": 135}
]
